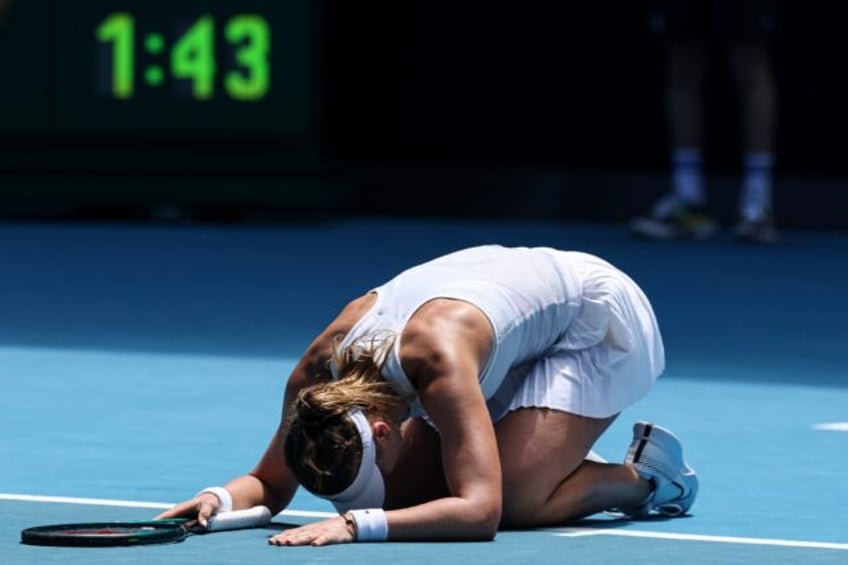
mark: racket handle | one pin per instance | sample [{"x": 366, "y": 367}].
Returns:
[{"x": 239, "y": 519}]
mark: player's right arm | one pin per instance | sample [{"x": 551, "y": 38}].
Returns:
[{"x": 271, "y": 483}]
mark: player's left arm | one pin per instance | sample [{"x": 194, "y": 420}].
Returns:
[{"x": 443, "y": 354}]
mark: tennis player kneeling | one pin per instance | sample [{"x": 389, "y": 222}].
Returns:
[{"x": 465, "y": 394}]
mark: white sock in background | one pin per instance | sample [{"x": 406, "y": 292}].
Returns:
[
  {"x": 687, "y": 183},
  {"x": 756, "y": 198},
  {"x": 687, "y": 176}
]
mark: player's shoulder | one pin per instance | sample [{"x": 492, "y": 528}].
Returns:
[{"x": 444, "y": 328}]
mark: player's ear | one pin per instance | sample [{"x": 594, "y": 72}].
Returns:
[{"x": 380, "y": 429}]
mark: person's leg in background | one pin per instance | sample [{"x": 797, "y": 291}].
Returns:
[
  {"x": 686, "y": 64},
  {"x": 751, "y": 66},
  {"x": 680, "y": 213}
]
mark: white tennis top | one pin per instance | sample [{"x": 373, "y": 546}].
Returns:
[{"x": 533, "y": 298}]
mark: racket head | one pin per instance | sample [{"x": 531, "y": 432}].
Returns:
[{"x": 107, "y": 534}]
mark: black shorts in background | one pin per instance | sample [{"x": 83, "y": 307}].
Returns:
[{"x": 714, "y": 20}]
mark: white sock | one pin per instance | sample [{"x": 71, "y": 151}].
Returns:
[
  {"x": 687, "y": 177},
  {"x": 756, "y": 198}
]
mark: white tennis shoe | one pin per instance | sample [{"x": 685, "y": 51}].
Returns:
[{"x": 658, "y": 457}]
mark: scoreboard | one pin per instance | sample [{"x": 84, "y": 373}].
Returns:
[
  {"x": 125, "y": 103},
  {"x": 178, "y": 67}
]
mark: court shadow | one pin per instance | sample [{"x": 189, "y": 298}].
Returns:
[
  {"x": 616, "y": 521},
  {"x": 276, "y": 527},
  {"x": 606, "y": 522}
]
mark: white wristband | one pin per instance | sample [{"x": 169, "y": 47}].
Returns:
[
  {"x": 225, "y": 500},
  {"x": 371, "y": 524}
]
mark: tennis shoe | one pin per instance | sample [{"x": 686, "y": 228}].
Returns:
[
  {"x": 658, "y": 457},
  {"x": 756, "y": 230},
  {"x": 671, "y": 219}
]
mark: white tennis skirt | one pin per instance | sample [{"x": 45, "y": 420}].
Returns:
[{"x": 604, "y": 378}]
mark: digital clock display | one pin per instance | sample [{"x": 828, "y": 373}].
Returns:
[
  {"x": 191, "y": 59},
  {"x": 139, "y": 65}
]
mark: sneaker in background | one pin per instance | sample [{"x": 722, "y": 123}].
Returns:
[
  {"x": 671, "y": 219},
  {"x": 756, "y": 230}
]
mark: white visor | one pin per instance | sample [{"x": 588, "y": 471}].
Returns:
[{"x": 367, "y": 489}]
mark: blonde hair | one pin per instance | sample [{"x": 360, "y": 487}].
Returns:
[{"x": 323, "y": 447}]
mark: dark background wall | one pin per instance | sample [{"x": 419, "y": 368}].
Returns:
[
  {"x": 571, "y": 94},
  {"x": 457, "y": 108},
  {"x": 551, "y": 83}
]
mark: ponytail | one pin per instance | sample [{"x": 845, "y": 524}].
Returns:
[{"x": 323, "y": 447}]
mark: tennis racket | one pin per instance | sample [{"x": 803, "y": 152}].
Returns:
[{"x": 141, "y": 532}]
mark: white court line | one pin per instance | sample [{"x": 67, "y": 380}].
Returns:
[
  {"x": 832, "y": 426},
  {"x": 567, "y": 532},
  {"x": 578, "y": 532},
  {"x": 132, "y": 504}
]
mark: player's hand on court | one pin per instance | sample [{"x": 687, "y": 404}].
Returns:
[
  {"x": 326, "y": 532},
  {"x": 200, "y": 507}
]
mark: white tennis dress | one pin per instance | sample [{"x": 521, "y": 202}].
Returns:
[{"x": 571, "y": 332}]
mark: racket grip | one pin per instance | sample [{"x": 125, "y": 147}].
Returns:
[{"x": 239, "y": 519}]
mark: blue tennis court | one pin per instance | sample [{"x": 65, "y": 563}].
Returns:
[{"x": 140, "y": 363}]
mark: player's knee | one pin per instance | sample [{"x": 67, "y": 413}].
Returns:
[{"x": 523, "y": 504}]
